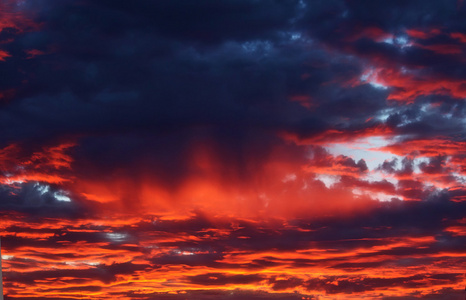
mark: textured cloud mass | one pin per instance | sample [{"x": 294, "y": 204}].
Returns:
[{"x": 233, "y": 149}]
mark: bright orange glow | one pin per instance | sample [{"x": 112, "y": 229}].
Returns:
[
  {"x": 305, "y": 271},
  {"x": 43, "y": 166},
  {"x": 216, "y": 231}
]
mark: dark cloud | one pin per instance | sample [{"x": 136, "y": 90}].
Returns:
[
  {"x": 284, "y": 284},
  {"x": 444, "y": 293},
  {"x": 333, "y": 285},
  {"x": 41, "y": 200}
]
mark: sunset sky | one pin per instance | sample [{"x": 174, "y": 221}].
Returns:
[{"x": 233, "y": 149}]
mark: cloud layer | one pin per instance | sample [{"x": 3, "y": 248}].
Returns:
[{"x": 233, "y": 149}]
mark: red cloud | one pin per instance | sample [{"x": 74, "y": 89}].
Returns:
[
  {"x": 406, "y": 86},
  {"x": 3, "y": 55},
  {"x": 460, "y": 36},
  {"x": 45, "y": 165},
  {"x": 12, "y": 16},
  {"x": 339, "y": 136},
  {"x": 423, "y": 34},
  {"x": 426, "y": 147},
  {"x": 373, "y": 33},
  {"x": 447, "y": 49}
]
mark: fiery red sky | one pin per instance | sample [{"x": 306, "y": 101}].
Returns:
[{"x": 236, "y": 149}]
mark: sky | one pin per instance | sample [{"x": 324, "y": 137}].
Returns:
[{"x": 234, "y": 149}]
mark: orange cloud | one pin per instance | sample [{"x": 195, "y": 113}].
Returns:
[
  {"x": 45, "y": 165},
  {"x": 166, "y": 261}
]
